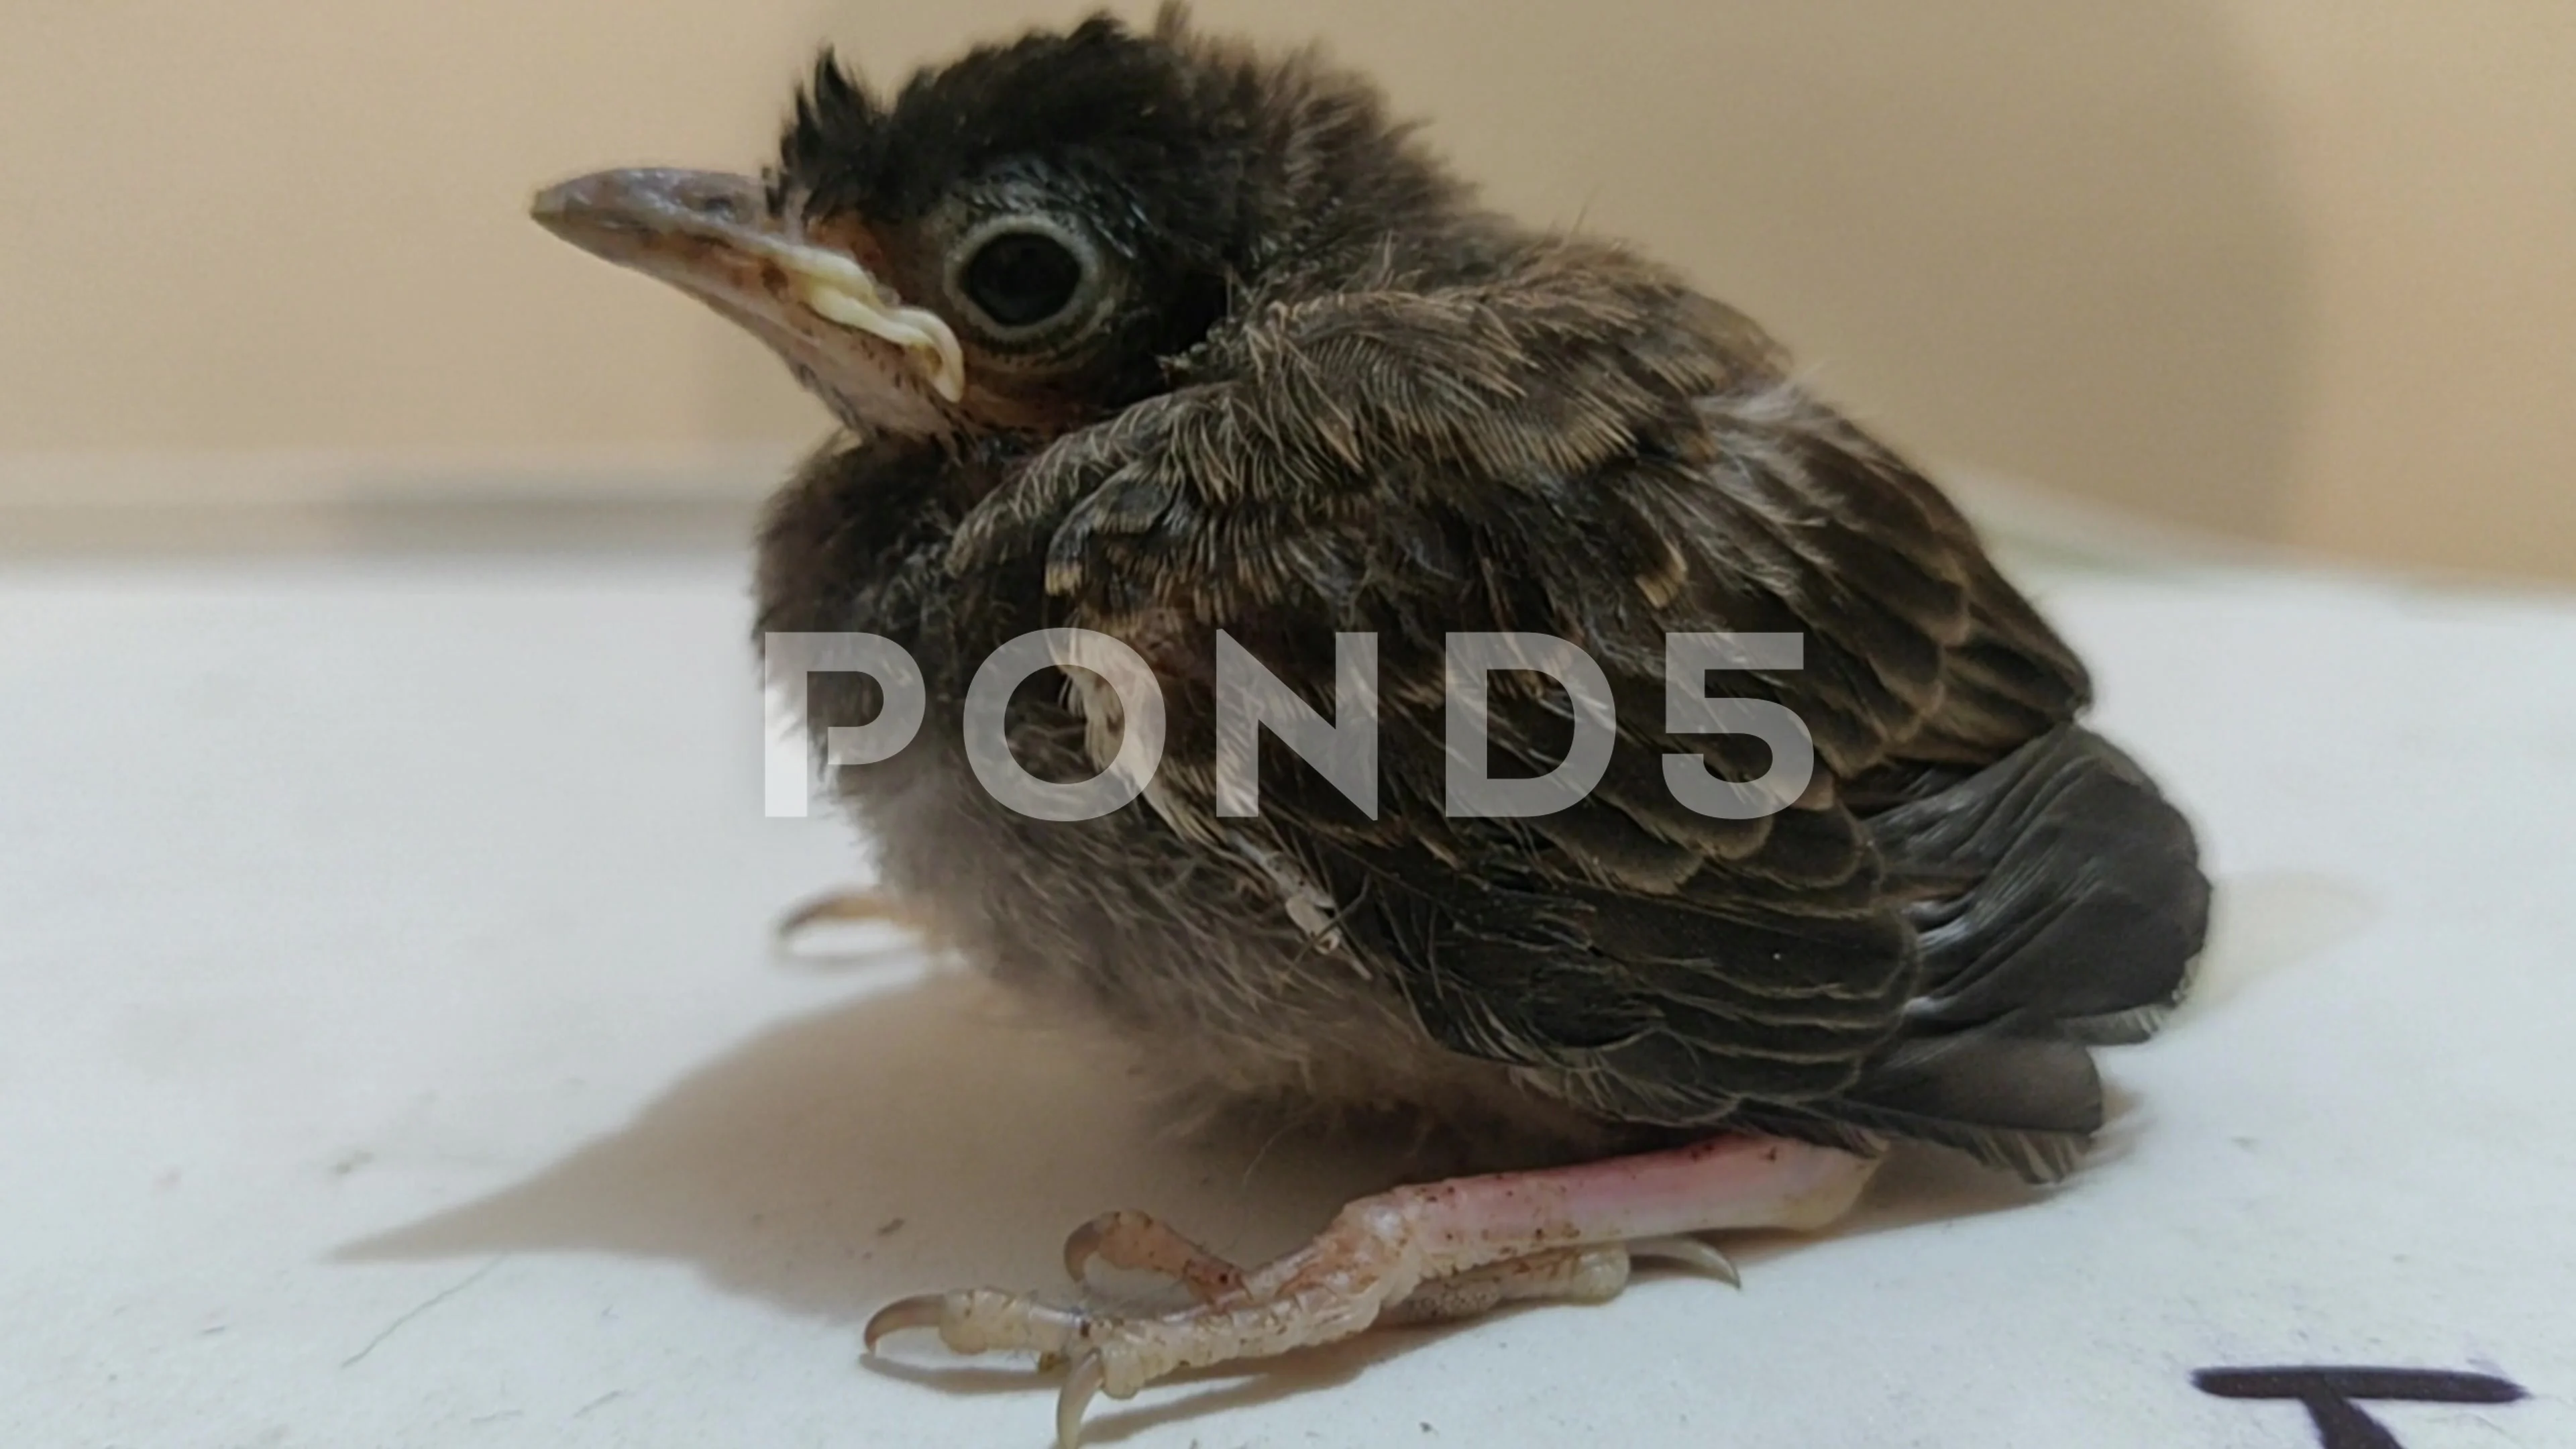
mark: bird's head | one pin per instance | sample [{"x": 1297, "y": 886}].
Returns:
[{"x": 1025, "y": 238}]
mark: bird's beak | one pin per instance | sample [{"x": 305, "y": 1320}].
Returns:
[{"x": 716, "y": 237}]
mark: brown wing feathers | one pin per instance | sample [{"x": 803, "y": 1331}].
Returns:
[{"x": 1581, "y": 448}]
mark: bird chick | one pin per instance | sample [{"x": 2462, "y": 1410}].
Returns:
[{"x": 1159, "y": 336}]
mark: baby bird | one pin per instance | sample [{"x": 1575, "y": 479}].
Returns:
[{"x": 1158, "y": 336}]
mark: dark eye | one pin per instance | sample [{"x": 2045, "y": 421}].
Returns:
[
  {"x": 1029, "y": 282},
  {"x": 1022, "y": 278}
]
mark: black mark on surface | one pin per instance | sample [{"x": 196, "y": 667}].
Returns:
[{"x": 2333, "y": 1396}]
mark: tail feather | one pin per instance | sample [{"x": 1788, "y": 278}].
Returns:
[
  {"x": 2062, "y": 905},
  {"x": 2083, "y": 898}
]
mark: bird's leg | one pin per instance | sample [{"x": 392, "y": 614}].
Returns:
[
  {"x": 1437, "y": 1250},
  {"x": 1565, "y": 1275},
  {"x": 1141, "y": 1242},
  {"x": 1592, "y": 1274}
]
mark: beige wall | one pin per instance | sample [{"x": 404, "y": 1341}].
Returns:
[
  {"x": 2297, "y": 270},
  {"x": 300, "y": 224}
]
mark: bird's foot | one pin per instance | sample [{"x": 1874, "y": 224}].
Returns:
[{"x": 1416, "y": 1254}]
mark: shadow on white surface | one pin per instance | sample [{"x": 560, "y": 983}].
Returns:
[
  {"x": 912, "y": 1135},
  {"x": 926, "y": 1135},
  {"x": 919, "y": 1136}
]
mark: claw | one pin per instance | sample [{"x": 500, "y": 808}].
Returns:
[
  {"x": 1080, "y": 1386},
  {"x": 924, "y": 1310},
  {"x": 1083, "y": 1244},
  {"x": 1690, "y": 1253},
  {"x": 850, "y": 907}
]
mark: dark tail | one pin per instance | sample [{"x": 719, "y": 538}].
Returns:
[{"x": 2060, "y": 905}]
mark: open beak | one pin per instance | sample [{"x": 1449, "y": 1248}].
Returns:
[{"x": 714, "y": 236}]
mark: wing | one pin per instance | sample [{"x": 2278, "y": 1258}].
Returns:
[{"x": 1577, "y": 446}]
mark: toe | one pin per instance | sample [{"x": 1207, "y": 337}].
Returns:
[
  {"x": 1084, "y": 1243},
  {"x": 1074, "y": 1399},
  {"x": 1135, "y": 1240},
  {"x": 982, "y": 1320}
]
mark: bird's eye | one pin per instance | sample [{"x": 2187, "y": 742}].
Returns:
[
  {"x": 1027, "y": 277},
  {"x": 1021, "y": 278}
]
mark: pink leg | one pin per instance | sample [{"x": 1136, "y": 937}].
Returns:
[{"x": 1381, "y": 1251}]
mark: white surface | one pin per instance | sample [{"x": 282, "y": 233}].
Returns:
[{"x": 391, "y": 1054}]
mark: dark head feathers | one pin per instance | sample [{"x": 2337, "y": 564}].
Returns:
[
  {"x": 1206, "y": 150},
  {"x": 1097, "y": 93},
  {"x": 1137, "y": 121}
]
